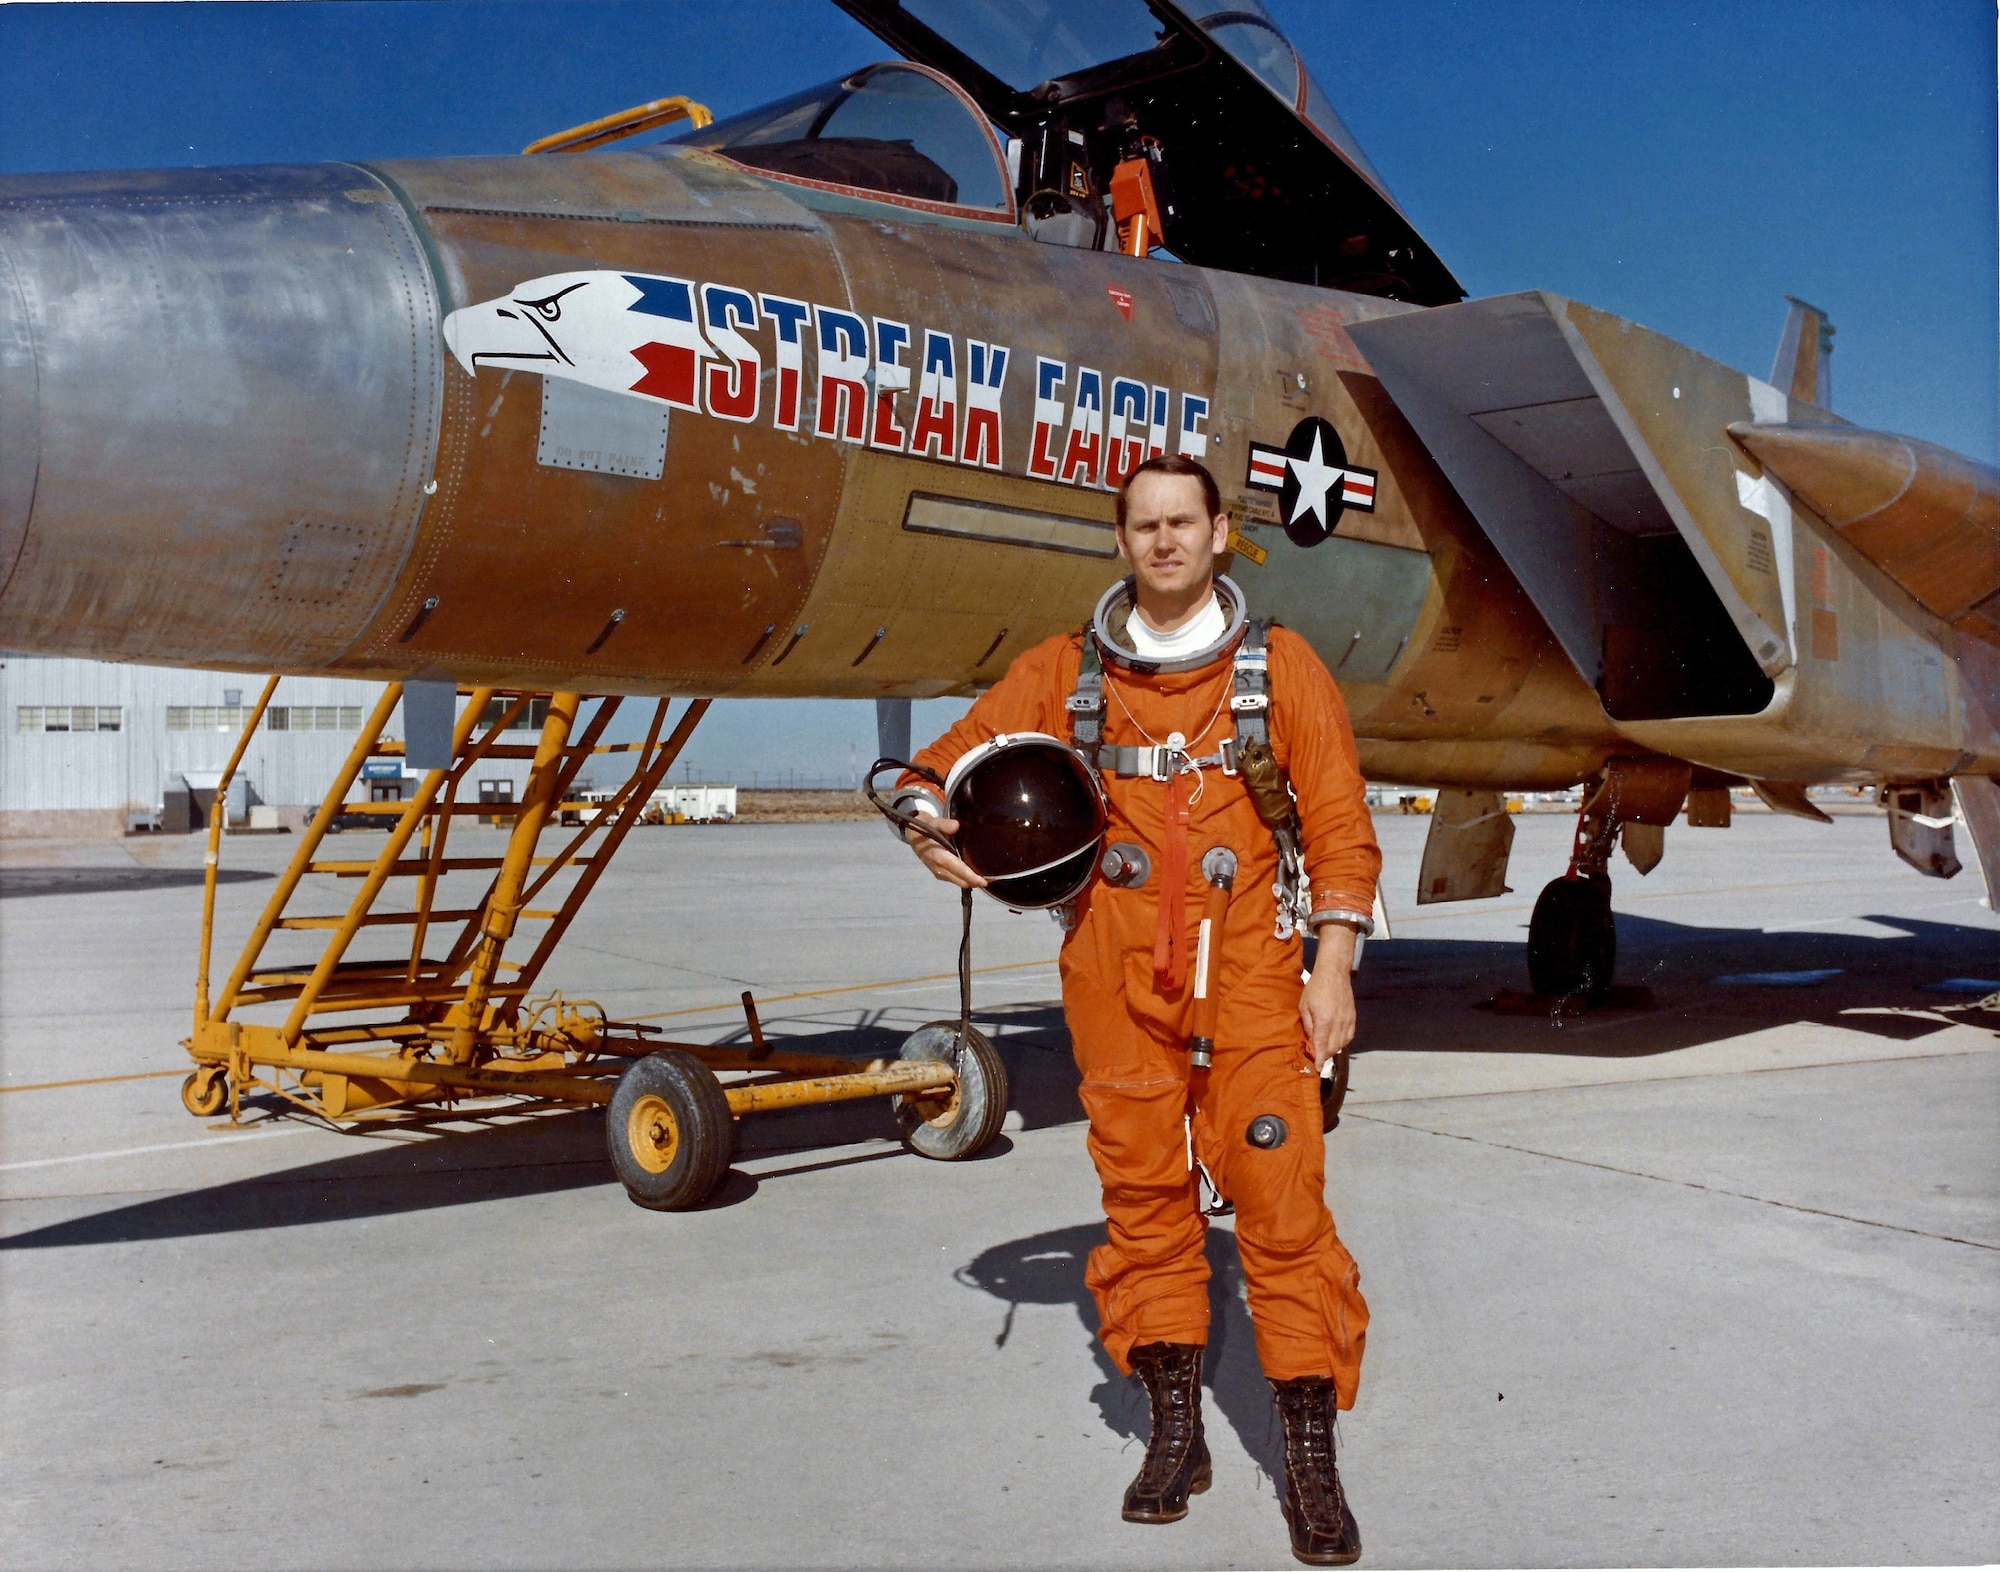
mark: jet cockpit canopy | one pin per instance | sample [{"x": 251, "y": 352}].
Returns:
[
  {"x": 893, "y": 129},
  {"x": 1265, "y": 178}
]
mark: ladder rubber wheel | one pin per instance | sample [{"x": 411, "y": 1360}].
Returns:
[
  {"x": 1573, "y": 938},
  {"x": 670, "y": 1131},
  {"x": 1333, "y": 1091},
  {"x": 962, "y": 1123},
  {"x": 205, "y": 1093}
]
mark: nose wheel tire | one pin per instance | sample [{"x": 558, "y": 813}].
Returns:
[
  {"x": 205, "y": 1093},
  {"x": 1573, "y": 938},
  {"x": 669, "y": 1130},
  {"x": 962, "y": 1121}
]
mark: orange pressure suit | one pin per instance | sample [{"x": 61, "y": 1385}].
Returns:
[{"x": 1150, "y": 1279}]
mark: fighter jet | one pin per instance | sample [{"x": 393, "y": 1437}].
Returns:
[{"x": 830, "y": 399}]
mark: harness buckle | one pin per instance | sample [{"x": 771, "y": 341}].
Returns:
[
  {"x": 1227, "y": 750},
  {"x": 1241, "y": 703},
  {"x": 1084, "y": 703},
  {"x": 1170, "y": 758}
]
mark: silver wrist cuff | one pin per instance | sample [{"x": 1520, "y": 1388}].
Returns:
[{"x": 1361, "y": 922}]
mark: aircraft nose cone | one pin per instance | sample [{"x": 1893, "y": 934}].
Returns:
[{"x": 20, "y": 416}]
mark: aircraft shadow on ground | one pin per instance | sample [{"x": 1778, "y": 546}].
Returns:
[
  {"x": 1047, "y": 1269},
  {"x": 16, "y": 882},
  {"x": 1413, "y": 993},
  {"x": 1416, "y": 995}
]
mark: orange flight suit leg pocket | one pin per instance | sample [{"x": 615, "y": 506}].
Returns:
[
  {"x": 1304, "y": 1288},
  {"x": 1150, "y": 1276}
]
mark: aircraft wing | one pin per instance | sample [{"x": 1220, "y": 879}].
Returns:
[
  {"x": 1598, "y": 458},
  {"x": 1265, "y": 178}
]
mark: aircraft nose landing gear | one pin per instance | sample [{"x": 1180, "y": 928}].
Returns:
[{"x": 1573, "y": 937}]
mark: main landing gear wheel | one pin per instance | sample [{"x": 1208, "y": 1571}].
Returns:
[
  {"x": 962, "y": 1122},
  {"x": 206, "y": 1092},
  {"x": 1572, "y": 937},
  {"x": 670, "y": 1132}
]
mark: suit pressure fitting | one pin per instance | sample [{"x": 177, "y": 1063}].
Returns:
[{"x": 1218, "y": 866}]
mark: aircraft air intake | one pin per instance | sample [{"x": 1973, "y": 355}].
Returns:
[{"x": 231, "y": 376}]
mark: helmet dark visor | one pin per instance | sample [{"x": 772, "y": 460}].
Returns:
[{"x": 1031, "y": 818}]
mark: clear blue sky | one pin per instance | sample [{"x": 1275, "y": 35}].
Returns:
[{"x": 1683, "y": 164}]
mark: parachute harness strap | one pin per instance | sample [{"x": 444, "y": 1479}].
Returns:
[
  {"x": 1248, "y": 753},
  {"x": 1270, "y": 790},
  {"x": 1086, "y": 704}
]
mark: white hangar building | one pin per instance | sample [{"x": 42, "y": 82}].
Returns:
[{"x": 93, "y": 748}]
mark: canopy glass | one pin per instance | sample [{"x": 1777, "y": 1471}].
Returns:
[
  {"x": 1028, "y": 42},
  {"x": 1245, "y": 29},
  {"x": 889, "y": 128}
]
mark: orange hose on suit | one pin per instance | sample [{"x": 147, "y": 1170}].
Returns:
[{"x": 1129, "y": 1003}]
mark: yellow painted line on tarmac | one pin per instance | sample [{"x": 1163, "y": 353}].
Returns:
[
  {"x": 94, "y": 1080},
  {"x": 664, "y": 1015},
  {"x": 827, "y": 993}
]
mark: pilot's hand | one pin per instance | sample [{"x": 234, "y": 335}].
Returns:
[
  {"x": 1327, "y": 1005},
  {"x": 942, "y": 861}
]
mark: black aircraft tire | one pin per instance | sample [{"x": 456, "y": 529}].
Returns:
[
  {"x": 1333, "y": 1092},
  {"x": 1572, "y": 938},
  {"x": 669, "y": 1130},
  {"x": 964, "y": 1125}
]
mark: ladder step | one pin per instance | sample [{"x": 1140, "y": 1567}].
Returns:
[
  {"x": 361, "y": 971},
  {"x": 462, "y": 810},
  {"x": 382, "y": 996},
  {"x": 412, "y": 867},
  {"x": 395, "y": 810},
  {"x": 346, "y": 971},
  {"x": 383, "y": 919}
]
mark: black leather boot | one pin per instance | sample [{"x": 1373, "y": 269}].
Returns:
[
  {"x": 1324, "y": 1533},
  {"x": 1176, "y": 1464}
]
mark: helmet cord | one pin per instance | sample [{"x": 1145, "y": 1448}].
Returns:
[
  {"x": 906, "y": 821},
  {"x": 964, "y": 976},
  {"x": 903, "y": 818}
]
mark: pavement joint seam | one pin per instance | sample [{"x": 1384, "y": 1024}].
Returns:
[
  {"x": 1658, "y": 1080},
  {"x": 1654, "y": 895},
  {"x": 1685, "y": 1184}
]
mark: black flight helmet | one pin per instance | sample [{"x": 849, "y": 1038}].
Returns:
[{"x": 1031, "y": 818}]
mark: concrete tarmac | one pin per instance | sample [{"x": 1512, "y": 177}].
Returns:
[{"x": 1715, "y": 1283}]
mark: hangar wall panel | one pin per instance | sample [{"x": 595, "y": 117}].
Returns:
[{"x": 93, "y": 736}]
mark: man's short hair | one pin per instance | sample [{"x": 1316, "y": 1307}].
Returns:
[{"x": 1174, "y": 464}]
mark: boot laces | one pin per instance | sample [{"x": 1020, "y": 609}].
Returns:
[
  {"x": 1309, "y": 1455},
  {"x": 1173, "y": 1419}
]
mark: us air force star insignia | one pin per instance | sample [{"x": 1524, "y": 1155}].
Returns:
[{"x": 1312, "y": 478}]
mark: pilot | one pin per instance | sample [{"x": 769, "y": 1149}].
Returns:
[{"x": 1166, "y": 651}]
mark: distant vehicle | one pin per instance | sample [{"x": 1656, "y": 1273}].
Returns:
[
  {"x": 360, "y": 821},
  {"x": 386, "y": 781},
  {"x": 585, "y": 806},
  {"x": 691, "y": 805}
]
